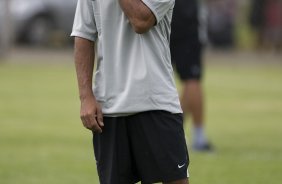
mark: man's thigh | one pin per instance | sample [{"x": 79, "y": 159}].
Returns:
[{"x": 158, "y": 144}]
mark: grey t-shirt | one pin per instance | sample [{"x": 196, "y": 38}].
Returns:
[{"x": 134, "y": 72}]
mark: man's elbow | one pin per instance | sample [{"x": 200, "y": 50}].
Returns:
[
  {"x": 142, "y": 26},
  {"x": 141, "y": 29}
]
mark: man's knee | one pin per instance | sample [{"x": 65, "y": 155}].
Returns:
[{"x": 183, "y": 181}]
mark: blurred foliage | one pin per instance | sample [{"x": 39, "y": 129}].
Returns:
[{"x": 245, "y": 36}]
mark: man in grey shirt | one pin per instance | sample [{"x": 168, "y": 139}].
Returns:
[{"x": 133, "y": 109}]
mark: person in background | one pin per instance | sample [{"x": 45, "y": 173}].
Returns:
[
  {"x": 133, "y": 110},
  {"x": 257, "y": 20},
  {"x": 266, "y": 20},
  {"x": 221, "y": 23},
  {"x": 186, "y": 52},
  {"x": 273, "y": 32}
]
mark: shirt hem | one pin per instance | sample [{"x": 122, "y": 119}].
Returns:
[{"x": 83, "y": 35}]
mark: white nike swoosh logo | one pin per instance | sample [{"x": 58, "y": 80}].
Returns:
[{"x": 180, "y": 166}]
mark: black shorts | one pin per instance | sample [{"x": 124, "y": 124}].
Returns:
[
  {"x": 185, "y": 44},
  {"x": 186, "y": 56},
  {"x": 149, "y": 147}
]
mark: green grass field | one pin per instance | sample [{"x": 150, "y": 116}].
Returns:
[{"x": 43, "y": 142}]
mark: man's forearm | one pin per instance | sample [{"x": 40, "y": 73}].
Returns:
[
  {"x": 139, "y": 15},
  {"x": 84, "y": 64}
]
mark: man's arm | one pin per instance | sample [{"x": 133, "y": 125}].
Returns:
[
  {"x": 139, "y": 15},
  {"x": 90, "y": 112}
]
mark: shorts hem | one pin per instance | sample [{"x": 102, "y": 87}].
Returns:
[{"x": 167, "y": 179}]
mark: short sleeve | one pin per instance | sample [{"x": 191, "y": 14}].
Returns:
[
  {"x": 159, "y": 7},
  {"x": 84, "y": 22}
]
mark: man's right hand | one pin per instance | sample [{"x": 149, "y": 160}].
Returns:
[
  {"x": 91, "y": 114},
  {"x": 90, "y": 111}
]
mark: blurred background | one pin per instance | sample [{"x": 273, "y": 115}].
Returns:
[{"x": 41, "y": 137}]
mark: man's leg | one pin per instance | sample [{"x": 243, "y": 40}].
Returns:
[
  {"x": 115, "y": 163},
  {"x": 184, "y": 181},
  {"x": 192, "y": 102},
  {"x": 159, "y": 147}
]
